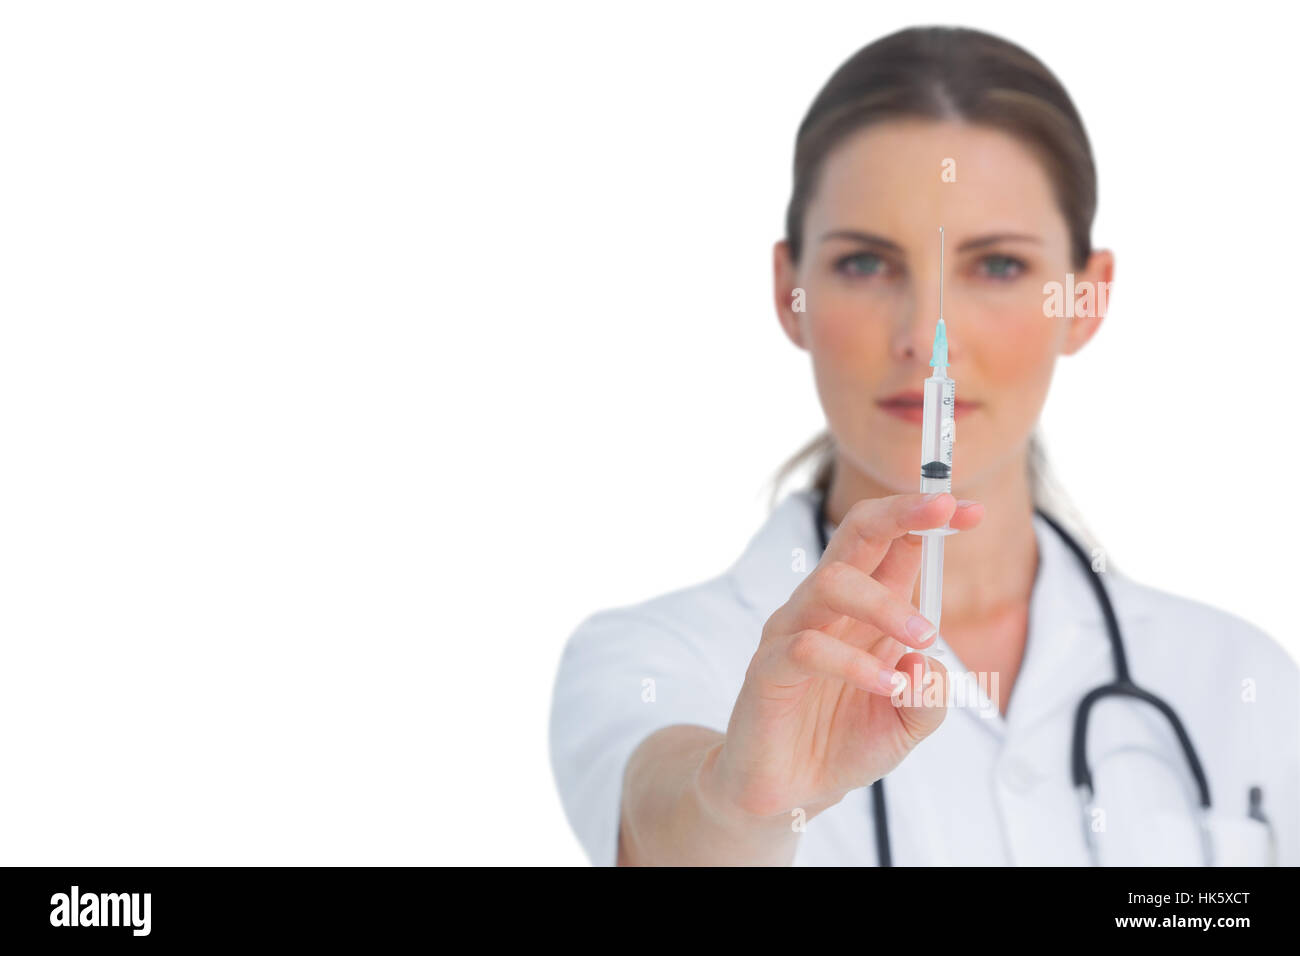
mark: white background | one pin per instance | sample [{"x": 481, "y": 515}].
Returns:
[{"x": 353, "y": 353}]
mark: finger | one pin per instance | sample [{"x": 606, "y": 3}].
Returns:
[
  {"x": 898, "y": 568},
  {"x": 967, "y": 515},
  {"x": 813, "y": 653},
  {"x": 837, "y": 590},
  {"x": 922, "y": 701},
  {"x": 864, "y": 536}
]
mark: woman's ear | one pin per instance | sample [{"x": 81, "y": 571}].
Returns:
[
  {"x": 789, "y": 300},
  {"x": 1091, "y": 300}
]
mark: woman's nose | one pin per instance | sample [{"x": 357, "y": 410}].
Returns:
[{"x": 914, "y": 334}]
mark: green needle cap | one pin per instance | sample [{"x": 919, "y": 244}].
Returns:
[{"x": 940, "y": 354}]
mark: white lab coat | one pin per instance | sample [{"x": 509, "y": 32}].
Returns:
[{"x": 983, "y": 789}]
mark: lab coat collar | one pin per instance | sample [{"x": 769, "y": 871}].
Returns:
[
  {"x": 1067, "y": 642},
  {"x": 783, "y": 550}
]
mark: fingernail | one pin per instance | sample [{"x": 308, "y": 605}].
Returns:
[
  {"x": 887, "y": 678},
  {"x": 966, "y": 502},
  {"x": 919, "y": 628},
  {"x": 932, "y": 495}
]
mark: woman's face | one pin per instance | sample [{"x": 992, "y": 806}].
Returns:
[{"x": 869, "y": 272}]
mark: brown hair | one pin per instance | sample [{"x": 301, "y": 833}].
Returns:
[{"x": 947, "y": 73}]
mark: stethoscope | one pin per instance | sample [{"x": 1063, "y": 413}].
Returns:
[{"x": 1121, "y": 686}]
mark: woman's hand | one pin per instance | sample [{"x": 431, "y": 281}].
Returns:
[{"x": 823, "y": 710}]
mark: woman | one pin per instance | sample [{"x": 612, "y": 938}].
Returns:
[{"x": 762, "y": 717}]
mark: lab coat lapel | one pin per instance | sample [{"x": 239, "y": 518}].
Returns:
[{"x": 778, "y": 557}]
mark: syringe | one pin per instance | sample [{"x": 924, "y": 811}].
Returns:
[{"x": 938, "y": 430}]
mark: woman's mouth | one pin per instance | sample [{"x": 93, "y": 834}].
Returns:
[{"x": 910, "y": 406}]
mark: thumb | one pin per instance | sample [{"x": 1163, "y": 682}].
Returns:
[{"x": 923, "y": 702}]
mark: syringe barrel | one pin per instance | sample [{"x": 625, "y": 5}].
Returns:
[
  {"x": 937, "y": 434},
  {"x": 931, "y": 605}
]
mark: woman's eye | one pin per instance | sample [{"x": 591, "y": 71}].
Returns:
[
  {"x": 1001, "y": 267},
  {"x": 861, "y": 264}
]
